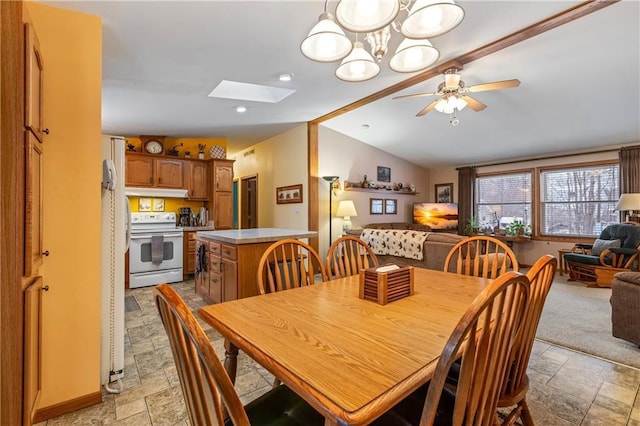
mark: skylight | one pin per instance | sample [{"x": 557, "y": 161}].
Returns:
[{"x": 250, "y": 92}]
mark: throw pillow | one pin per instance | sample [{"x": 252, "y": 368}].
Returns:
[{"x": 601, "y": 245}]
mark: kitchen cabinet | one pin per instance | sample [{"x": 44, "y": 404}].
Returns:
[
  {"x": 201, "y": 281},
  {"x": 34, "y": 72},
  {"x": 34, "y": 250},
  {"x": 221, "y": 195},
  {"x": 197, "y": 180},
  {"x": 144, "y": 170},
  {"x": 189, "y": 258},
  {"x": 32, "y": 346}
]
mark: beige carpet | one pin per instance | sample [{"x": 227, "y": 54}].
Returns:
[{"x": 579, "y": 317}]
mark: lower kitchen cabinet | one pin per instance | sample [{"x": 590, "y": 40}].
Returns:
[{"x": 189, "y": 254}]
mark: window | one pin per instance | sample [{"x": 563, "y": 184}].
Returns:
[
  {"x": 578, "y": 201},
  {"x": 503, "y": 199}
]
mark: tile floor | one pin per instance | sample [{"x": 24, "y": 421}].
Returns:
[{"x": 567, "y": 388}]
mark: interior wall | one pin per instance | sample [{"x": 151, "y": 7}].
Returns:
[
  {"x": 350, "y": 159},
  {"x": 440, "y": 176},
  {"x": 188, "y": 144},
  {"x": 71, "y": 45},
  {"x": 277, "y": 161}
]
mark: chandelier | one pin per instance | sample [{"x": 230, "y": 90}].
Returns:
[{"x": 373, "y": 20}]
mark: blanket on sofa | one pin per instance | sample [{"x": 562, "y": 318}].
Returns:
[{"x": 395, "y": 242}]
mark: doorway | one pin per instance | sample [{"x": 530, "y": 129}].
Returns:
[{"x": 249, "y": 202}]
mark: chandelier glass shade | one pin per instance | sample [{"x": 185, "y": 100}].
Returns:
[{"x": 374, "y": 19}]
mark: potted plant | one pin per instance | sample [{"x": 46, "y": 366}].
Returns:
[
  {"x": 471, "y": 228},
  {"x": 515, "y": 228}
]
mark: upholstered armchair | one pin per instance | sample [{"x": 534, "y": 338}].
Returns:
[
  {"x": 616, "y": 249},
  {"x": 625, "y": 299}
]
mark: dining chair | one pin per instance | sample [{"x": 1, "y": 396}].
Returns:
[
  {"x": 288, "y": 264},
  {"x": 208, "y": 391},
  {"x": 480, "y": 256},
  {"x": 516, "y": 384},
  {"x": 348, "y": 255},
  {"x": 491, "y": 323}
]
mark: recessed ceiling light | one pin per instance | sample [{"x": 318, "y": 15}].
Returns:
[
  {"x": 286, "y": 77},
  {"x": 366, "y": 126},
  {"x": 241, "y": 109}
]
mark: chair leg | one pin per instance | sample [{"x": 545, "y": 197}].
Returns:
[
  {"x": 513, "y": 416},
  {"x": 527, "y": 419},
  {"x": 276, "y": 383}
]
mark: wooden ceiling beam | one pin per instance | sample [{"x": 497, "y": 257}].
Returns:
[{"x": 564, "y": 17}]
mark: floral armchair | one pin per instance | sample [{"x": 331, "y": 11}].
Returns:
[{"x": 617, "y": 247}]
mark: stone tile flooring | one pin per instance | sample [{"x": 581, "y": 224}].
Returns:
[{"x": 567, "y": 388}]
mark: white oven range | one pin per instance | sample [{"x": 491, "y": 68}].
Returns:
[{"x": 155, "y": 253}]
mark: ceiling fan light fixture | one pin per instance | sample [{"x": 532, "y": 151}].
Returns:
[
  {"x": 358, "y": 66},
  {"x": 326, "y": 41},
  {"x": 364, "y": 16},
  {"x": 431, "y": 18},
  {"x": 413, "y": 55},
  {"x": 451, "y": 79}
]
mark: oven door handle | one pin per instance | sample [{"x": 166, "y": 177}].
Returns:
[{"x": 148, "y": 236}]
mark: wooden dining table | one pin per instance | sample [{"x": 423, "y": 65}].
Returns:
[{"x": 351, "y": 359}]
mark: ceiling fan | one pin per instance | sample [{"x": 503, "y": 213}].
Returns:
[{"x": 454, "y": 94}]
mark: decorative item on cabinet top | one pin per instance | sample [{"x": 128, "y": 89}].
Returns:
[
  {"x": 372, "y": 186},
  {"x": 217, "y": 152},
  {"x": 152, "y": 144}
]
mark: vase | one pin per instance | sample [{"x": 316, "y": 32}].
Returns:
[{"x": 201, "y": 155}]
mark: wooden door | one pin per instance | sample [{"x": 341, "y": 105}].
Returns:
[
  {"x": 170, "y": 173},
  {"x": 223, "y": 176},
  {"x": 33, "y": 82},
  {"x": 223, "y": 210},
  {"x": 198, "y": 188},
  {"x": 139, "y": 170},
  {"x": 32, "y": 347},
  {"x": 33, "y": 205},
  {"x": 249, "y": 203}
]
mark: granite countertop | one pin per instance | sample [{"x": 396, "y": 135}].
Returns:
[
  {"x": 196, "y": 228},
  {"x": 255, "y": 235}
]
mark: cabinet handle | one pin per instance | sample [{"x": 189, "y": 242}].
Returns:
[
  {"x": 45, "y": 288},
  {"x": 45, "y": 253},
  {"x": 45, "y": 131}
]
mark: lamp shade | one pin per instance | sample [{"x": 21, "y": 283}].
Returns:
[
  {"x": 358, "y": 66},
  {"x": 413, "y": 55},
  {"x": 346, "y": 208},
  {"x": 431, "y": 18},
  {"x": 629, "y": 202},
  {"x": 326, "y": 41},
  {"x": 365, "y": 16}
]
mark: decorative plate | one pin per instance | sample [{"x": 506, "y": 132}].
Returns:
[{"x": 217, "y": 151}]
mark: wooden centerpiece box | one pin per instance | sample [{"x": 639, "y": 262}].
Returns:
[{"x": 386, "y": 283}]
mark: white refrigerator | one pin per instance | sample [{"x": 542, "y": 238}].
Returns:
[{"x": 115, "y": 221}]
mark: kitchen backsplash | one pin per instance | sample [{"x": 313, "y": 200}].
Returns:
[{"x": 169, "y": 204}]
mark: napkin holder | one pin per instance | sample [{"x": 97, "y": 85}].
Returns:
[{"x": 385, "y": 287}]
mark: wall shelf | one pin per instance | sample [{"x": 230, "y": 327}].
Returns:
[{"x": 355, "y": 186}]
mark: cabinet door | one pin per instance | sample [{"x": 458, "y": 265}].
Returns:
[
  {"x": 33, "y": 83},
  {"x": 215, "y": 279},
  {"x": 33, "y": 205},
  {"x": 139, "y": 170},
  {"x": 223, "y": 177},
  {"x": 32, "y": 347},
  {"x": 170, "y": 173},
  {"x": 230, "y": 279},
  {"x": 189, "y": 256},
  {"x": 198, "y": 188},
  {"x": 223, "y": 210},
  {"x": 202, "y": 279}
]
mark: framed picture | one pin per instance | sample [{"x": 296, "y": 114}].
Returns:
[
  {"x": 444, "y": 193},
  {"x": 144, "y": 204},
  {"x": 390, "y": 206},
  {"x": 289, "y": 194},
  {"x": 376, "y": 206},
  {"x": 158, "y": 204},
  {"x": 384, "y": 174}
]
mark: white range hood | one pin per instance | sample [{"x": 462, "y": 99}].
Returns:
[{"x": 156, "y": 192}]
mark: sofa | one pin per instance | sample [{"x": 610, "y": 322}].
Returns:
[
  {"x": 625, "y": 303},
  {"x": 435, "y": 248}
]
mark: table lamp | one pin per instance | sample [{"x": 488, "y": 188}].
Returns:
[
  {"x": 346, "y": 208},
  {"x": 629, "y": 203}
]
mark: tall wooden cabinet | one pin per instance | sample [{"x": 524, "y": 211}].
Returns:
[
  {"x": 32, "y": 284},
  {"x": 221, "y": 194},
  {"x": 197, "y": 180}
]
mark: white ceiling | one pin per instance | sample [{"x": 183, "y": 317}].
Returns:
[{"x": 580, "y": 82}]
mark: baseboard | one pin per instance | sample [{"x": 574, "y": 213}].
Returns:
[{"x": 65, "y": 407}]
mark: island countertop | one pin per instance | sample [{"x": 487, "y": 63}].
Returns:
[{"x": 254, "y": 235}]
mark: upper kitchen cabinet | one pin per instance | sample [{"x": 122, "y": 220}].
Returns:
[
  {"x": 147, "y": 171},
  {"x": 33, "y": 83},
  {"x": 197, "y": 180},
  {"x": 221, "y": 196}
]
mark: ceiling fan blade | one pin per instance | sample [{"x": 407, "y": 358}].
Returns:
[
  {"x": 494, "y": 85},
  {"x": 473, "y": 104},
  {"x": 426, "y": 109},
  {"x": 415, "y": 95}
]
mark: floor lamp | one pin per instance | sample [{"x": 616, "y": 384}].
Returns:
[{"x": 330, "y": 179}]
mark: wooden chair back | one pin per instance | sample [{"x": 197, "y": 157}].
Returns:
[
  {"x": 516, "y": 384},
  {"x": 348, "y": 255},
  {"x": 288, "y": 264},
  {"x": 480, "y": 256},
  {"x": 208, "y": 392},
  {"x": 491, "y": 324}
]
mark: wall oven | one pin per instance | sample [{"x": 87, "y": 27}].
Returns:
[{"x": 155, "y": 252}]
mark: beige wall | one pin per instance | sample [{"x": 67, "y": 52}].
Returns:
[
  {"x": 440, "y": 176},
  {"x": 71, "y": 45},
  {"x": 278, "y": 161},
  {"x": 350, "y": 159}
]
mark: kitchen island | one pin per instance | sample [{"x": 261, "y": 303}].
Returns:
[{"x": 227, "y": 260}]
